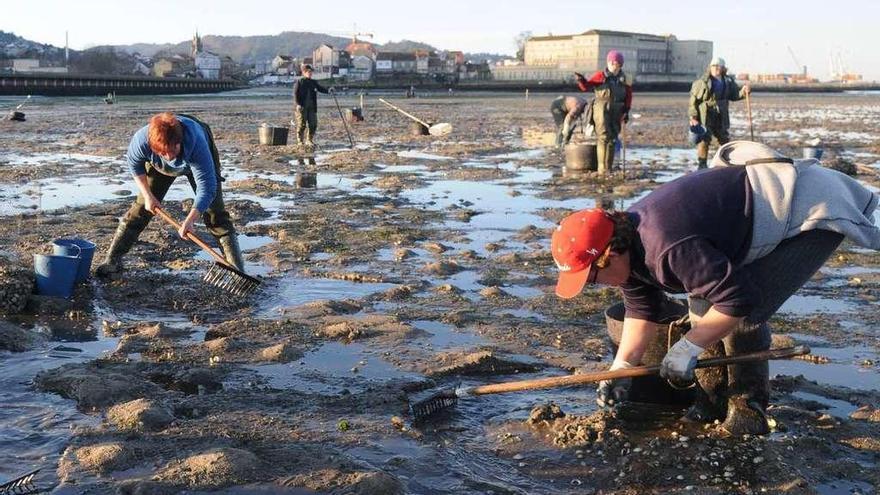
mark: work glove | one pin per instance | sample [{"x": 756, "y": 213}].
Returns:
[
  {"x": 626, "y": 118},
  {"x": 331, "y": 90},
  {"x": 679, "y": 363},
  {"x": 613, "y": 392}
]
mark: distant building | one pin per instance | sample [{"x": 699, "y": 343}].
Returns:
[
  {"x": 229, "y": 67},
  {"x": 326, "y": 59},
  {"x": 422, "y": 58},
  {"x": 362, "y": 67},
  {"x": 263, "y": 67},
  {"x": 208, "y": 65},
  {"x": 474, "y": 71},
  {"x": 452, "y": 60},
  {"x": 33, "y": 65},
  {"x": 142, "y": 69},
  {"x": 362, "y": 48},
  {"x": 395, "y": 63},
  {"x": 172, "y": 66},
  {"x": 283, "y": 65},
  {"x": 25, "y": 64},
  {"x": 647, "y": 56}
]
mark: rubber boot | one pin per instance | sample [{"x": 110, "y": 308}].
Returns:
[
  {"x": 123, "y": 240},
  {"x": 231, "y": 251},
  {"x": 609, "y": 157},
  {"x": 748, "y": 384},
  {"x": 600, "y": 158},
  {"x": 702, "y": 154}
]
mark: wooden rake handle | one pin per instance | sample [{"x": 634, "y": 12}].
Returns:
[
  {"x": 569, "y": 380},
  {"x": 191, "y": 236},
  {"x": 749, "y": 110},
  {"x": 420, "y": 121}
]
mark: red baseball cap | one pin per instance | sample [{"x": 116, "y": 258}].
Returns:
[{"x": 577, "y": 242}]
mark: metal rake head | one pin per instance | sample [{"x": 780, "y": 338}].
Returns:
[
  {"x": 231, "y": 280},
  {"x": 20, "y": 485},
  {"x": 430, "y": 402}
]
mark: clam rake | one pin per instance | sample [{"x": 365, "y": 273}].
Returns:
[
  {"x": 20, "y": 485},
  {"x": 426, "y": 404},
  {"x": 221, "y": 274}
]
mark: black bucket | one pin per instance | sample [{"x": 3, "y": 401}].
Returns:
[
  {"x": 581, "y": 156},
  {"x": 354, "y": 114},
  {"x": 652, "y": 389},
  {"x": 273, "y": 135},
  {"x": 417, "y": 129},
  {"x": 306, "y": 180}
]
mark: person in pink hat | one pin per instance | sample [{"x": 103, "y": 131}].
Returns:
[
  {"x": 739, "y": 239},
  {"x": 611, "y": 105}
]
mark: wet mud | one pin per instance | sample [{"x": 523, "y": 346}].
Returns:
[{"x": 414, "y": 262}]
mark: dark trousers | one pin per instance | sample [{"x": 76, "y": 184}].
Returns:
[
  {"x": 216, "y": 218},
  {"x": 305, "y": 119},
  {"x": 778, "y": 276},
  {"x": 714, "y": 128}
]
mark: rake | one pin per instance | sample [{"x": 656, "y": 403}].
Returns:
[
  {"x": 342, "y": 117},
  {"x": 441, "y": 129},
  {"x": 221, "y": 274},
  {"x": 20, "y": 485},
  {"x": 430, "y": 402}
]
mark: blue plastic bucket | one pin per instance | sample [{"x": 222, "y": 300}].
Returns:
[
  {"x": 56, "y": 275},
  {"x": 813, "y": 152},
  {"x": 82, "y": 248}
]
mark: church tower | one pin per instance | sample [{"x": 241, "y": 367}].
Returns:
[{"x": 196, "y": 44}]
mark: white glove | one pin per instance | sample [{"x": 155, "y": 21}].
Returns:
[
  {"x": 679, "y": 363},
  {"x": 611, "y": 392}
]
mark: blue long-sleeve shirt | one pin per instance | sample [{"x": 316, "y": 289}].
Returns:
[{"x": 195, "y": 156}]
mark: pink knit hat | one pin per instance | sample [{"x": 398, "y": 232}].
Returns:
[{"x": 615, "y": 56}]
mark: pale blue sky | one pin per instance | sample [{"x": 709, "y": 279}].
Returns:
[{"x": 752, "y": 35}]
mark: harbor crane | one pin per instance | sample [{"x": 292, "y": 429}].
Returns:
[{"x": 801, "y": 68}]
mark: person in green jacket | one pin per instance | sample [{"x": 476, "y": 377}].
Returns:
[{"x": 710, "y": 98}]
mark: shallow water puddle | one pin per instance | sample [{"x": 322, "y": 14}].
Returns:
[
  {"x": 290, "y": 291},
  {"x": 444, "y": 336},
  {"x": 422, "y": 155},
  {"x": 69, "y": 159},
  {"x": 330, "y": 369},
  {"x": 844, "y": 370},
  {"x": 803, "y": 305},
  {"x": 843, "y": 487},
  {"x": 835, "y": 407},
  {"x": 35, "y": 427}
]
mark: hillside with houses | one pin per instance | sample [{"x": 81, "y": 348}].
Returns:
[{"x": 256, "y": 59}]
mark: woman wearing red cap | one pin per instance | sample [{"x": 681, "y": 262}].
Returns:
[
  {"x": 739, "y": 239},
  {"x": 610, "y": 106}
]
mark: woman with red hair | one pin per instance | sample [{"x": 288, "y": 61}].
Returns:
[{"x": 168, "y": 147}]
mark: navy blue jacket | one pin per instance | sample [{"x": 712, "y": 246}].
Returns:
[
  {"x": 693, "y": 234},
  {"x": 195, "y": 157}
]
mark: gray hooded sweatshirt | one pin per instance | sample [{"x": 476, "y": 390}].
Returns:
[{"x": 790, "y": 197}]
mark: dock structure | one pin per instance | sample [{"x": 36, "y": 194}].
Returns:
[{"x": 100, "y": 85}]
